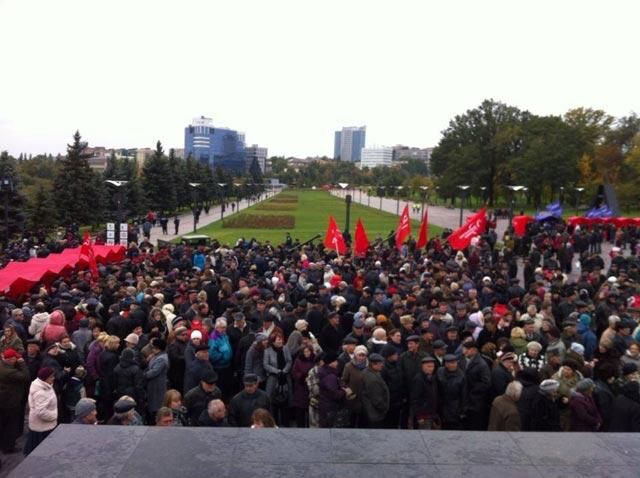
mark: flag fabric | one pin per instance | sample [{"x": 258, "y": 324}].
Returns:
[
  {"x": 475, "y": 225},
  {"x": 333, "y": 239},
  {"x": 404, "y": 227},
  {"x": 423, "y": 236},
  {"x": 361, "y": 240},
  {"x": 520, "y": 224},
  {"x": 87, "y": 254}
]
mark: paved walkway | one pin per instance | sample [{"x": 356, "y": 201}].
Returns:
[{"x": 186, "y": 220}]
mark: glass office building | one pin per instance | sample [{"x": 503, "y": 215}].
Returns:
[{"x": 214, "y": 146}]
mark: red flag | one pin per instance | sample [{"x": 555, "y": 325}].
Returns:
[
  {"x": 520, "y": 224},
  {"x": 333, "y": 239},
  {"x": 423, "y": 237},
  {"x": 404, "y": 227},
  {"x": 87, "y": 254},
  {"x": 475, "y": 225},
  {"x": 361, "y": 240}
]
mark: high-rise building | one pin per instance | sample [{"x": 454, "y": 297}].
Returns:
[
  {"x": 259, "y": 154},
  {"x": 376, "y": 156},
  {"x": 349, "y": 142},
  {"x": 214, "y": 146}
]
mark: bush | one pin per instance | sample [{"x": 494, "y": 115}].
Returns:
[{"x": 258, "y": 221}]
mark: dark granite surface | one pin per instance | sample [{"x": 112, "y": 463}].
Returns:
[{"x": 109, "y": 451}]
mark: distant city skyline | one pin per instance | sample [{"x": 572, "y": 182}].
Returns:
[{"x": 276, "y": 70}]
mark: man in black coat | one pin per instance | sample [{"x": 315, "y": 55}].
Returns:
[
  {"x": 625, "y": 416},
  {"x": 452, "y": 390},
  {"x": 502, "y": 374},
  {"x": 546, "y": 416},
  {"x": 478, "y": 378},
  {"x": 197, "y": 399},
  {"x": 530, "y": 379},
  {"x": 424, "y": 396},
  {"x": 392, "y": 375},
  {"x": 175, "y": 351},
  {"x": 198, "y": 368},
  {"x": 331, "y": 336},
  {"x": 247, "y": 401}
]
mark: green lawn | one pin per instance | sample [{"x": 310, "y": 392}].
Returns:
[{"x": 312, "y": 217}]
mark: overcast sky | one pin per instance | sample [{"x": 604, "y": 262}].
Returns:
[{"x": 289, "y": 72}]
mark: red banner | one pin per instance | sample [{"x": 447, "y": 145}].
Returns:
[
  {"x": 423, "y": 236},
  {"x": 404, "y": 227},
  {"x": 475, "y": 225},
  {"x": 361, "y": 240},
  {"x": 333, "y": 239}
]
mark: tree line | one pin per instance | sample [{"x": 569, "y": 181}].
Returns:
[{"x": 49, "y": 192}]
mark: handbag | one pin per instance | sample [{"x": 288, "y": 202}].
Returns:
[{"x": 280, "y": 395}]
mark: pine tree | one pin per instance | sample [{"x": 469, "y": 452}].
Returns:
[
  {"x": 158, "y": 183},
  {"x": 74, "y": 186},
  {"x": 255, "y": 172},
  {"x": 15, "y": 200},
  {"x": 41, "y": 211}
]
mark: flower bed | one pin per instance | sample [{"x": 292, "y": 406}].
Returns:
[
  {"x": 271, "y": 206},
  {"x": 258, "y": 221}
]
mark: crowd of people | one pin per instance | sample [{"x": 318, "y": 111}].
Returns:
[{"x": 265, "y": 335}]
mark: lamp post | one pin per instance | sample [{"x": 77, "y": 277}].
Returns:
[
  {"x": 238, "y": 198},
  {"x": 369, "y": 197},
  {"x": 222, "y": 186},
  {"x": 194, "y": 203},
  {"x": 578, "y": 194},
  {"x": 360, "y": 201},
  {"x": 119, "y": 187},
  {"x": 484, "y": 194},
  {"x": 347, "y": 200},
  {"x": 343, "y": 186},
  {"x": 463, "y": 192},
  {"x": 514, "y": 190},
  {"x": 398, "y": 189},
  {"x": 7, "y": 187},
  {"x": 561, "y": 198},
  {"x": 424, "y": 190},
  {"x": 380, "y": 194}
]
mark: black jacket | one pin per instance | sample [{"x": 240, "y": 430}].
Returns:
[
  {"x": 478, "y": 379},
  {"x": 452, "y": 390},
  {"x": 603, "y": 396},
  {"x": 529, "y": 381},
  {"x": 625, "y": 416},
  {"x": 196, "y": 400},
  {"x": 128, "y": 380},
  {"x": 392, "y": 376},
  {"x": 194, "y": 373},
  {"x": 545, "y": 416},
  {"x": 243, "y": 405},
  {"x": 500, "y": 378},
  {"x": 330, "y": 339},
  {"x": 175, "y": 352},
  {"x": 424, "y": 396}
]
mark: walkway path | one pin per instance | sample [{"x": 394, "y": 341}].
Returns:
[{"x": 186, "y": 220}]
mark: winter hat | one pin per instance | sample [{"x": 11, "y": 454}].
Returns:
[
  {"x": 507, "y": 356},
  {"x": 376, "y": 358},
  {"x": 196, "y": 334},
  {"x": 124, "y": 405},
  {"x": 132, "y": 339},
  {"x": 584, "y": 385},
  {"x": 361, "y": 349},
  {"x": 44, "y": 373},
  {"x": 577, "y": 348},
  {"x": 128, "y": 354},
  {"x": 534, "y": 345},
  {"x": 261, "y": 336},
  {"x": 549, "y": 385},
  {"x": 11, "y": 353},
  {"x": 388, "y": 350},
  {"x": 84, "y": 407},
  {"x": 628, "y": 368},
  {"x": 301, "y": 325}
]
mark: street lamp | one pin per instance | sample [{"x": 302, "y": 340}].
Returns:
[
  {"x": 119, "y": 188},
  {"x": 238, "y": 186},
  {"x": 195, "y": 206},
  {"x": 222, "y": 186},
  {"x": 514, "y": 190},
  {"x": 398, "y": 189},
  {"x": 380, "y": 194},
  {"x": 561, "y": 198},
  {"x": 484, "y": 194},
  {"x": 463, "y": 193},
  {"x": 578, "y": 194},
  {"x": 343, "y": 186},
  {"x": 7, "y": 188},
  {"x": 424, "y": 190}
]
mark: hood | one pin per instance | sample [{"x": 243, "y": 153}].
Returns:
[
  {"x": 127, "y": 358},
  {"x": 56, "y": 318},
  {"x": 38, "y": 384},
  {"x": 40, "y": 317}
]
